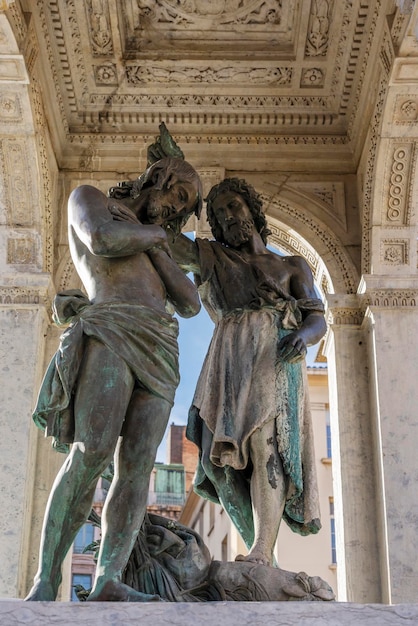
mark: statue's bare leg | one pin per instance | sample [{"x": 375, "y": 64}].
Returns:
[
  {"x": 126, "y": 503},
  {"x": 268, "y": 494},
  {"x": 233, "y": 491},
  {"x": 101, "y": 402}
]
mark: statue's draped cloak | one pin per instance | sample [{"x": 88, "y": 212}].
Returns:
[
  {"x": 144, "y": 338},
  {"x": 244, "y": 384}
]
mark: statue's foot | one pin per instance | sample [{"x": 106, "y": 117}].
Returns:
[
  {"x": 113, "y": 591},
  {"x": 255, "y": 556},
  {"x": 41, "y": 591}
]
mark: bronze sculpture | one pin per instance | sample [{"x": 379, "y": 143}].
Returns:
[
  {"x": 250, "y": 416},
  {"x": 110, "y": 387}
]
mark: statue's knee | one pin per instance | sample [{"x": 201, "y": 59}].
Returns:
[{"x": 92, "y": 457}]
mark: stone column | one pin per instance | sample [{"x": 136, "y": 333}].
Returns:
[
  {"x": 23, "y": 327},
  {"x": 392, "y": 323},
  {"x": 353, "y": 461},
  {"x": 26, "y": 249}
]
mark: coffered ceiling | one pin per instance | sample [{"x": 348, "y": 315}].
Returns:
[{"x": 261, "y": 84}]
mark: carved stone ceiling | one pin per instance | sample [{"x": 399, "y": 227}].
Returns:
[{"x": 246, "y": 82}]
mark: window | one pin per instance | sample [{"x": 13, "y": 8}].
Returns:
[
  {"x": 84, "y": 537},
  {"x": 328, "y": 427},
  {"x": 332, "y": 522},
  {"x": 79, "y": 579}
]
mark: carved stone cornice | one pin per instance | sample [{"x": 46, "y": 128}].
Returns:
[
  {"x": 389, "y": 292},
  {"x": 26, "y": 289}
]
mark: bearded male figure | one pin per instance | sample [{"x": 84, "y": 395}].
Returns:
[
  {"x": 250, "y": 416},
  {"x": 110, "y": 387}
]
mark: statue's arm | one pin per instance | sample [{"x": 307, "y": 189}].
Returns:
[
  {"x": 184, "y": 251},
  {"x": 94, "y": 224},
  {"x": 181, "y": 291},
  {"x": 293, "y": 347}
]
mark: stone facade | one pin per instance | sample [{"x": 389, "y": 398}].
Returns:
[{"x": 316, "y": 103}]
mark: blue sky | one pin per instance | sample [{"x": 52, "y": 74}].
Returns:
[{"x": 194, "y": 338}]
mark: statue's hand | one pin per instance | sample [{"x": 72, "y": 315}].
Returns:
[
  {"x": 159, "y": 240},
  {"x": 121, "y": 213},
  {"x": 292, "y": 348}
]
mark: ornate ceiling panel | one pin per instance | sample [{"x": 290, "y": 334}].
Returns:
[{"x": 233, "y": 73}]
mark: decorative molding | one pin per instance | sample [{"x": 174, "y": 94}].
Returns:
[
  {"x": 340, "y": 57},
  {"x": 199, "y": 13},
  {"x": 25, "y": 295},
  {"x": 370, "y": 173},
  {"x": 331, "y": 195},
  {"x": 345, "y": 316},
  {"x": 363, "y": 25},
  {"x": 98, "y": 19},
  {"x": 51, "y": 59},
  {"x": 21, "y": 250},
  {"x": 387, "y": 53},
  {"x": 394, "y": 251},
  {"x": 401, "y": 174},
  {"x": 30, "y": 45},
  {"x": 233, "y": 140},
  {"x": 17, "y": 180},
  {"x": 17, "y": 19},
  {"x": 392, "y": 298},
  {"x": 192, "y": 24},
  {"x": 292, "y": 244},
  {"x": 318, "y": 32},
  {"x": 46, "y": 189},
  {"x": 197, "y": 74}
]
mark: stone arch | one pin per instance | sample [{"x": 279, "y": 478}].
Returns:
[{"x": 307, "y": 235}]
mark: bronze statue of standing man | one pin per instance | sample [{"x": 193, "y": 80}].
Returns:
[
  {"x": 250, "y": 414},
  {"x": 110, "y": 388}
]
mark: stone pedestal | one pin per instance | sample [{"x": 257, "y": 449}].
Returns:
[{"x": 14, "y": 613}]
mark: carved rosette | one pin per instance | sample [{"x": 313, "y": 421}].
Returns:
[
  {"x": 394, "y": 251},
  {"x": 406, "y": 110}
]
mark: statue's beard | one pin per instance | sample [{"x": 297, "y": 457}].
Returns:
[{"x": 239, "y": 232}]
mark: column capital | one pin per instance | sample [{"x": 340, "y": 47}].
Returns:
[{"x": 345, "y": 309}]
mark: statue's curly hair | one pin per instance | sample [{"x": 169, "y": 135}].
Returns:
[{"x": 252, "y": 199}]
